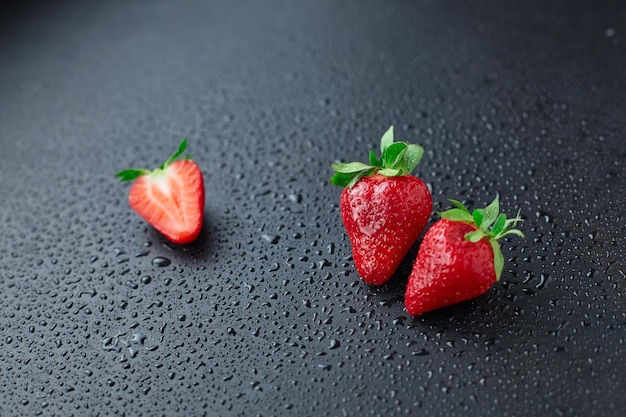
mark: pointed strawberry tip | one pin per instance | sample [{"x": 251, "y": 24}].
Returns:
[{"x": 186, "y": 238}]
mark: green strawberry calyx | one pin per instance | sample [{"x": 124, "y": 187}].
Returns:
[
  {"x": 491, "y": 225},
  {"x": 397, "y": 158},
  {"x": 134, "y": 173}
]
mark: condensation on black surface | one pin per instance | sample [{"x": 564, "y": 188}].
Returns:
[{"x": 264, "y": 314}]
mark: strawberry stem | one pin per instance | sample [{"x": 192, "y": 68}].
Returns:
[{"x": 397, "y": 158}]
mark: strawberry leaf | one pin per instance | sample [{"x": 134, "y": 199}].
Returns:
[
  {"x": 459, "y": 205},
  {"x": 507, "y": 228},
  {"x": 392, "y": 157},
  {"x": 344, "y": 168},
  {"x": 457, "y": 215},
  {"x": 498, "y": 226},
  {"x": 374, "y": 161},
  {"x": 478, "y": 216},
  {"x": 513, "y": 222},
  {"x": 359, "y": 175},
  {"x": 491, "y": 214},
  {"x": 181, "y": 149},
  {"x": 412, "y": 157},
  {"x": 510, "y": 232},
  {"x": 341, "y": 179},
  {"x": 389, "y": 172},
  {"x": 475, "y": 236},
  {"x": 386, "y": 140},
  {"x": 510, "y": 223},
  {"x": 348, "y": 179},
  {"x": 498, "y": 259},
  {"x": 131, "y": 174}
]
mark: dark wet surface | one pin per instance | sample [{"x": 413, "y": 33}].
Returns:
[{"x": 264, "y": 314}]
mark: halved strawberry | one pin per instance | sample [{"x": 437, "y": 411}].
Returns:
[{"x": 171, "y": 197}]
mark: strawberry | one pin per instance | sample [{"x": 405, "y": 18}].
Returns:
[
  {"x": 170, "y": 198},
  {"x": 383, "y": 208},
  {"x": 459, "y": 257}
]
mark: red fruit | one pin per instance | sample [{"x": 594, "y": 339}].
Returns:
[
  {"x": 459, "y": 258},
  {"x": 383, "y": 208},
  {"x": 383, "y": 218},
  {"x": 170, "y": 198}
]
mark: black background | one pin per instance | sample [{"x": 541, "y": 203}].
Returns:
[{"x": 265, "y": 314}]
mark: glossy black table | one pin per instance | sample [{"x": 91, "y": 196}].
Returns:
[{"x": 265, "y": 314}]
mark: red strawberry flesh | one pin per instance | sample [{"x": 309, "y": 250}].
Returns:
[{"x": 171, "y": 200}]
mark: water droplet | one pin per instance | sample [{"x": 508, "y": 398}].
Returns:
[
  {"x": 421, "y": 352},
  {"x": 161, "y": 261},
  {"x": 131, "y": 284},
  {"x": 296, "y": 198},
  {"x": 273, "y": 239}
]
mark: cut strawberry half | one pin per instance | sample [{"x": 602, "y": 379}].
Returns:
[{"x": 171, "y": 197}]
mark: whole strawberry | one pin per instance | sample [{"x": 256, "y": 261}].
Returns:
[
  {"x": 383, "y": 208},
  {"x": 171, "y": 197},
  {"x": 459, "y": 257}
]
